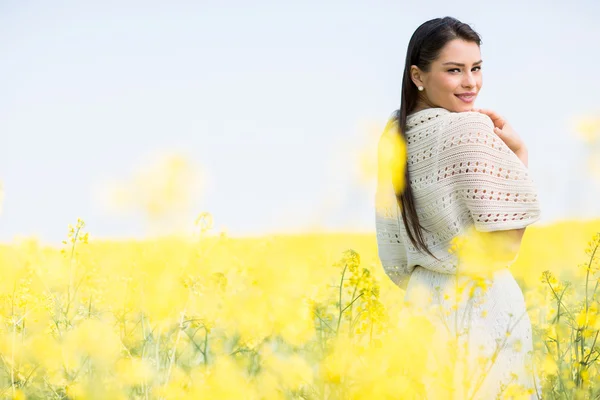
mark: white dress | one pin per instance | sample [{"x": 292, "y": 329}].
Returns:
[
  {"x": 482, "y": 323},
  {"x": 462, "y": 176}
]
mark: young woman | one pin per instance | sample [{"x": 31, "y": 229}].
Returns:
[{"x": 465, "y": 168}]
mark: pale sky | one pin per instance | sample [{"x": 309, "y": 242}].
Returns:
[{"x": 270, "y": 99}]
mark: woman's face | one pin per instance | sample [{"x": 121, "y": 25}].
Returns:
[{"x": 447, "y": 78}]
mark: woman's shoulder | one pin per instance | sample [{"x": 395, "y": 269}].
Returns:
[
  {"x": 442, "y": 117},
  {"x": 426, "y": 117},
  {"x": 467, "y": 119},
  {"x": 465, "y": 122},
  {"x": 471, "y": 132}
]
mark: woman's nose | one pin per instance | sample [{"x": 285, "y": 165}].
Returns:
[{"x": 469, "y": 80}]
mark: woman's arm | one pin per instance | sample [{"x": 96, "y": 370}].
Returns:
[
  {"x": 500, "y": 195},
  {"x": 523, "y": 155},
  {"x": 515, "y": 236}
]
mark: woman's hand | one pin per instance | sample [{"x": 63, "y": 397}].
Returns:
[{"x": 503, "y": 129}]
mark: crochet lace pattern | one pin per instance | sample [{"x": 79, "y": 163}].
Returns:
[{"x": 462, "y": 174}]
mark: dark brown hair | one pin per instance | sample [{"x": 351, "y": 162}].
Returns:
[{"x": 424, "y": 47}]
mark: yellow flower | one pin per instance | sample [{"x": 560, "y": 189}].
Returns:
[
  {"x": 391, "y": 158},
  {"x": 588, "y": 129},
  {"x": 134, "y": 371},
  {"x": 549, "y": 365},
  {"x": 582, "y": 318}
]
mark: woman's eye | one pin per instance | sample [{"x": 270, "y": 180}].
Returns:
[{"x": 456, "y": 69}]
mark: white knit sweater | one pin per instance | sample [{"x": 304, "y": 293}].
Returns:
[{"x": 462, "y": 174}]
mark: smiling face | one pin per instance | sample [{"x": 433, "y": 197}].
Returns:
[{"x": 456, "y": 71}]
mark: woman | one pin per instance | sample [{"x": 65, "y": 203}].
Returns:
[{"x": 465, "y": 168}]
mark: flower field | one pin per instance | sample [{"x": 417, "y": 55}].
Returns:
[{"x": 279, "y": 317}]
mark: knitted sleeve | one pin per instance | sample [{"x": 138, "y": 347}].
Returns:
[
  {"x": 390, "y": 245},
  {"x": 491, "y": 180}
]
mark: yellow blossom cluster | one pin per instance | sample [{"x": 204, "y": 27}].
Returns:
[{"x": 278, "y": 317}]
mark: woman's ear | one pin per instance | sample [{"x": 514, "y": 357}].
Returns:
[{"x": 416, "y": 75}]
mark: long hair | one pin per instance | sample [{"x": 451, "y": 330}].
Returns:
[{"x": 424, "y": 47}]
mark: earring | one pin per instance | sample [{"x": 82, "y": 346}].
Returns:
[{"x": 421, "y": 88}]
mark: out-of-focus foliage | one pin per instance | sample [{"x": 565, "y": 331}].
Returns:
[
  {"x": 163, "y": 192},
  {"x": 587, "y": 130},
  {"x": 211, "y": 316}
]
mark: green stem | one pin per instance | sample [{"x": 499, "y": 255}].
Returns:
[
  {"x": 352, "y": 302},
  {"x": 323, "y": 321},
  {"x": 205, "y": 345},
  {"x": 592, "y": 348},
  {"x": 71, "y": 272},
  {"x": 340, "y": 300},
  {"x": 172, "y": 360}
]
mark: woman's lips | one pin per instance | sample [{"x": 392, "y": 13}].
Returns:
[{"x": 466, "y": 99}]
